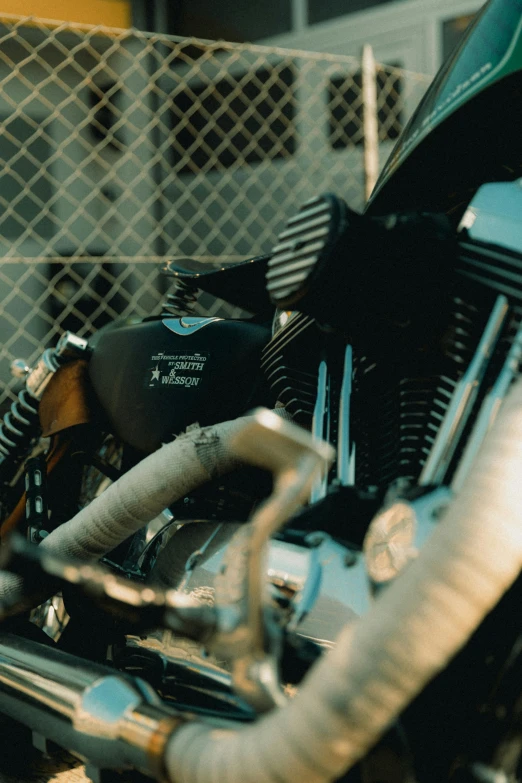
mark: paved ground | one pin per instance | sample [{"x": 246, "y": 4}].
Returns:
[
  {"x": 20, "y": 763},
  {"x": 59, "y": 769},
  {"x": 36, "y": 768}
]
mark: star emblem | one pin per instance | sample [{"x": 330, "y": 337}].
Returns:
[{"x": 155, "y": 374}]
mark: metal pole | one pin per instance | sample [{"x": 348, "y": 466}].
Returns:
[{"x": 370, "y": 120}]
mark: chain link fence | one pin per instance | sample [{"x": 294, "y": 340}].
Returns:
[{"x": 120, "y": 150}]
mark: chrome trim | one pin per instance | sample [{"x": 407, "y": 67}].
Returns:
[
  {"x": 464, "y": 397},
  {"x": 344, "y": 461},
  {"x": 489, "y": 409},
  {"x": 320, "y": 425}
]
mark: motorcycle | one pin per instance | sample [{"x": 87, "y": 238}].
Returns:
[{"x": 326, "y": 587}]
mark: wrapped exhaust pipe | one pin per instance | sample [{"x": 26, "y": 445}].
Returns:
[
  {"x": 138, "y": 497},
  {"x": 114, "y": 721},
  {"x": 384, "y": 660}
]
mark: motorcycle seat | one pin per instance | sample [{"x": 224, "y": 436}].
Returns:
[{"x": 241, "y": 283}]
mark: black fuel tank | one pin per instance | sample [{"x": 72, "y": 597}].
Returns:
[{"x": 155, "y": 378}]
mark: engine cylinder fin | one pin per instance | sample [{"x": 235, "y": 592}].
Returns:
[
  {"x": 494, "y": 268},
  {"x": 290, "y": 363},
  {"x": 290, "y": 332}
]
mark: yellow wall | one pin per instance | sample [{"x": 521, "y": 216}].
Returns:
[{"x": 111, "y": 13}]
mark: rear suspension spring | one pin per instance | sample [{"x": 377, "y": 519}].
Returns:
[
  {"x": 18, "y": 426},
  {"x": 21, "y": 423}
]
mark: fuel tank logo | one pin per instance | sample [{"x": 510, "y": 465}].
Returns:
[
  {"x": 180, "y": 369},
  {"x": 188, "y": 324}
]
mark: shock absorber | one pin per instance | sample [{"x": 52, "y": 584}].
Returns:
[
  {"x": 17, "y": 424},
  {"x": 182, "y": 300},
  {"x": 20, "y": 424}
]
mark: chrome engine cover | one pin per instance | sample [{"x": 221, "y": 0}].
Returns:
[{"x": 326, "y": 582}]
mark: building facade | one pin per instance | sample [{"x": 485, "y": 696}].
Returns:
[
  {"x": 412, "y": 34},
  {"x": 117, "y": 146}
]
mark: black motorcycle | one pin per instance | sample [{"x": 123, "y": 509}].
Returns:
[{"x": 326, "y": 586}]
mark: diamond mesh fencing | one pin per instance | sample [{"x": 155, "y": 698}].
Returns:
[{"x": 120, "y": 150}]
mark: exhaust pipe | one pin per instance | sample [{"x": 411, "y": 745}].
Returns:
[{"x": 110, "y": 720}]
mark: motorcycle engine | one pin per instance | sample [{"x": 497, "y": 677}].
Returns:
[{"x": 435, "y": 323}]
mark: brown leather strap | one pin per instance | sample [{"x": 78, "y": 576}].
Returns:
[{"x": 66, "y": 400}]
